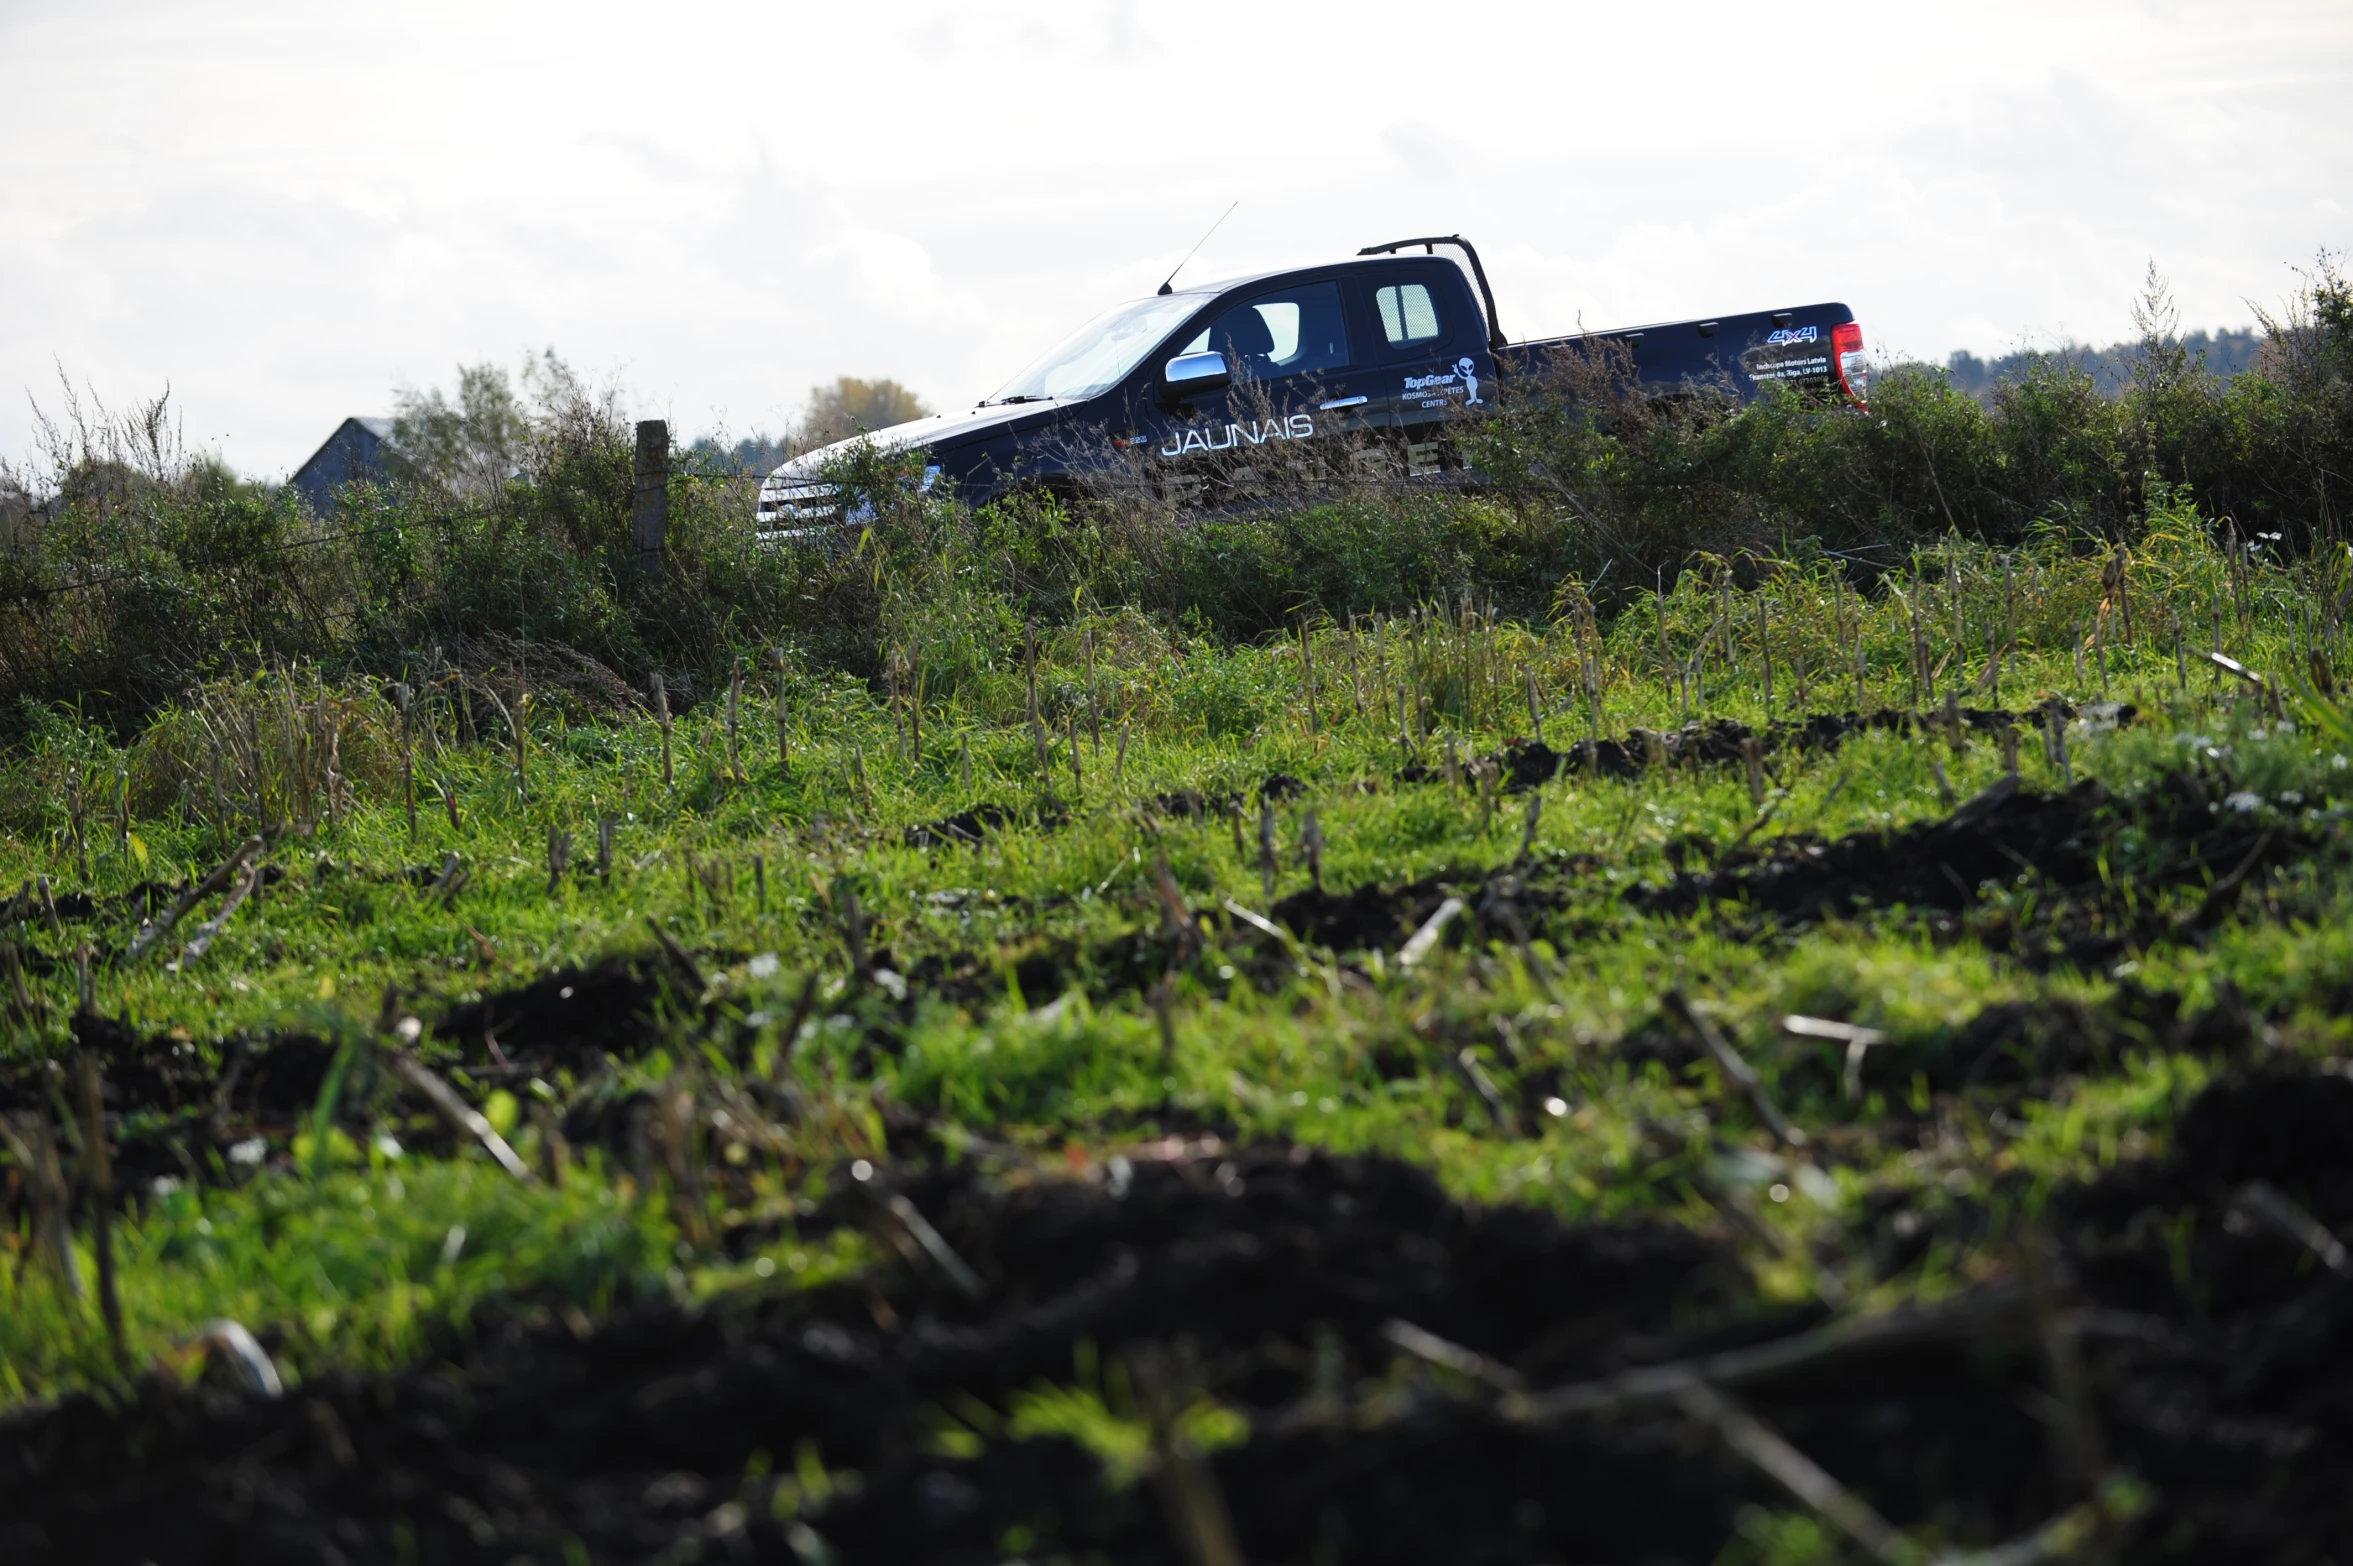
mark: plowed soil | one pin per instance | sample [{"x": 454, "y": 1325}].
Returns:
[
  {"x": 2097, "y": 865},
  {"x": 2218, "y": 1353},
  {"x": 1525, "y": 764}
]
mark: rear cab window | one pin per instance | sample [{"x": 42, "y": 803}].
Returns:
[
  {"x": 1409, "y": 315},
  {"x": 1410, "y": 312}
]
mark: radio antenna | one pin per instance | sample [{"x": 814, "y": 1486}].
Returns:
[{"x": 1196, "y": 250}]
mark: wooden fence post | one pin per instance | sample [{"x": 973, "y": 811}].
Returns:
[{"x": 651, "y": 520}]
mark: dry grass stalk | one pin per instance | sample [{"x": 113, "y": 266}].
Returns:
[
  {"x": 915, "y": 705},
  {"x": 1465, "y": 1062},
  {"x": 1187, "y": 1488},
  {"x": 146, "y": 939},
  {"x": 34, "y": 1147},
  {"x": 935, "y": 1247},
  {"x": 1037, "y": 725},
  {"x": 1179, "y": 917},
  {"x": 734, "y": 712},
  {"x": 452, "y": 880},
  {"x": 210, "y": 930},
  {"x": 455, "y": 1109},
  {"x": 1425, "y": 939},
  {"x": 1450, "y": 1356},
  {"x": 2055, "y": 744},
  {"x": 676, "y": 1127},
  {"x": 408, "y": 760},
  {"x": 1858, "y": 1040},
  {"x": 662, "y": 717},
  {"x": 784, "y": 760},
  {"x": 2266, "y": 1203},
  {"x": 1737, "y": 1072},
  {"x": 1307, "y": 675},
  {"x": 98, "y": 1177},
  {"x": 1266, "y": 847},
  {"x": 1159, "y": 997},
  {"x": 1771, "y": 1454},
  {"x": 1944, "y": 785},
  {"x": 1094, "y": 710},
  {"x": 853, "y": 918}
]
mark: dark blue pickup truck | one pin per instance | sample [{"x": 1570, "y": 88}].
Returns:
[{"x": 1354, "y": 366}]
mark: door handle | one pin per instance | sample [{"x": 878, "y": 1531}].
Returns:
[{"x": 1342, "y": 402}]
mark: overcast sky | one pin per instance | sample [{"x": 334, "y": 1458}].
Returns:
[{"x": 285, "y": 210}]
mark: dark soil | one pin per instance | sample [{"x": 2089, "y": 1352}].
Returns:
[
  {"x": 656, "y": 1432},
  {"x": 175, "y": 1106},
  {"x": 2240, "y": 1409},
  {"x": 1371, "y": 917},
  {"x": 963, "y": 828},
  {"x": 2096, "y": 863},
  {"x": 1193, "y": 805},
  {"x": 2011, "y": 1048},
  {"x": 1525, "y": 764},
  {"x": 2219, "y": 1355},
  {"x": 568, "y": 1020}
]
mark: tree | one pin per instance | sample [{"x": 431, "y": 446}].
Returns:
[
  {"x": 851, "y": 406},
  {"x": 470, "y": 447}
]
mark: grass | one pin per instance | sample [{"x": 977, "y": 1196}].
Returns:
[{"x": 341, "y": 1251}]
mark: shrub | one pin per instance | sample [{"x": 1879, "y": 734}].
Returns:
[{"x": 130, "y": 573}]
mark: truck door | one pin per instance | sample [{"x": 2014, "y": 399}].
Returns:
[
  {"x": 1299, "y": 398},
  {"x": 1432, "y": 363}
]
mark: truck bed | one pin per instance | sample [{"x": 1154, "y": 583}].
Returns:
[{"x": 1800, "y": 347}]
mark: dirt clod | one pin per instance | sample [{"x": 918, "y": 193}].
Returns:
[{"x": 964, "y": 828}]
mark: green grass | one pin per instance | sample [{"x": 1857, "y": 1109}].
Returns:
[
  {"x": 356, "y": 1266},
  {"x": 342, "y": 1254}
]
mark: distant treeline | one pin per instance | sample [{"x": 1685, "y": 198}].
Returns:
[{"x": 2225, "y": 354}]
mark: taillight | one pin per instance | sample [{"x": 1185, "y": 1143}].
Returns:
[{"x": 1854, "y": 371}]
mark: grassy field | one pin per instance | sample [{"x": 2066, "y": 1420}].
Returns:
[{"x": 1867, "y": 943}]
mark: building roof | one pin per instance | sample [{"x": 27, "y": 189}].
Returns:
[{"x": 353, "y": 454}]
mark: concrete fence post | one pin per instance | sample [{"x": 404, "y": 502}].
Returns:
[{"x": 651, "y": 520}]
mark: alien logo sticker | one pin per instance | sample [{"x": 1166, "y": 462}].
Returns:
[{"x": 1468, "y": 369}]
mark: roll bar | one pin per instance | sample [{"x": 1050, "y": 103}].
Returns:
[{"x": 1430, "y": 246}]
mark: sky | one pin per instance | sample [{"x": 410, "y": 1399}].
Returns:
[{"x": 283, "y": 211}]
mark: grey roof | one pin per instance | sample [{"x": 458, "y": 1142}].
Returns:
[{"x": 353, "y": 454}]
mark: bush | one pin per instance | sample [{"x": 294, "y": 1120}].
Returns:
[
  {"x": 131, "y": 573},
  {"x": 1650, "y": 483}
]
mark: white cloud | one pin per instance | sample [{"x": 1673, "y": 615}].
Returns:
[{"x": 284, "y": 210}]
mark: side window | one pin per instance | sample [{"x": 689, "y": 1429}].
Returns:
[
  {"x": 1294, "y": 332},
  {"x": 1409, "y": 316}
]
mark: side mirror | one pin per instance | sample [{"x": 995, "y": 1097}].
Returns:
[{"x": 1195, "y": 374}]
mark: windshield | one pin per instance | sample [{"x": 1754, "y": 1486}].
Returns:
[{"x": 1098, "y": 354}]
